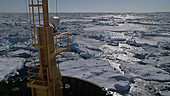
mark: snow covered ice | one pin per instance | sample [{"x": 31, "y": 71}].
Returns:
[{"x": 128, "y": 53}]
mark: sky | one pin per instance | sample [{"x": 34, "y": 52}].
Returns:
[{"x": 93, "y": 6}]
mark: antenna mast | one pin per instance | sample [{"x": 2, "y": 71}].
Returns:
[
  {"x": 56, "y": 8},
  {"x": 44, "y": 76}
]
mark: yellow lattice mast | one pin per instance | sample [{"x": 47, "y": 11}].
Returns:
[{"x": 44, "y": 76}]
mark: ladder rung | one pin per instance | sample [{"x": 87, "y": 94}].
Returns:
[
  {"x": 38, "y": 80},
  {"x": 60, "y": 33},
  {"x": 35, "y": 5}
]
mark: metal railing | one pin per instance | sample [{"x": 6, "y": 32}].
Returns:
[
  {"x": 61, "y": 39},
  {"x": 35, "y": 18},
  {"x": 61, "y": 42},
  {"x": 33, "y": 74}
]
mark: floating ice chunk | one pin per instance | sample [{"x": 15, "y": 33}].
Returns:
[
  {"x": 124, "y": 27},
  {"x": 8, "y": 65},
  {"x": 164, "y": 93},
  {"x": 146, "y": 72},
  {"x": 85, "y": 55},
  {"x": 122, "y": 87},
  {"x": 20, "y": 53},
  {"x": 94, "y": 70}
]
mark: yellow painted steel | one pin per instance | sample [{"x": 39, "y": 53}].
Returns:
[{"x": 47, "y": 81}]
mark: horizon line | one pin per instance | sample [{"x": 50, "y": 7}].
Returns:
[{"x": 100, "y": 12}]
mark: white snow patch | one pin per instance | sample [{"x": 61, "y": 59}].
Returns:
[
  {"x": 97, "y": 71},
  {"x": 10, "y": 65},
  {"x": 19, "y": 52},
  {"x": 146, "y": 72},
  {"x": 124, "y": 27},
  {"x": 76, "y": 20}
]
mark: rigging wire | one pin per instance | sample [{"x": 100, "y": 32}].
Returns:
[
  {"x": 56, "y": 8},
  {"x": 26, "y": 8},
  {"x": 27, "y": 17},
  {"x": 28, "y": 23}
]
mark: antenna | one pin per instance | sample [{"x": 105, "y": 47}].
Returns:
[
  {"x": 56, "y": 8},
  {"x": 44, "y": 76}
]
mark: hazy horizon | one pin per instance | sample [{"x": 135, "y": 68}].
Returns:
[
  {"x": 84, "y": 12},
  {"x": 92, "y": 6}
]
